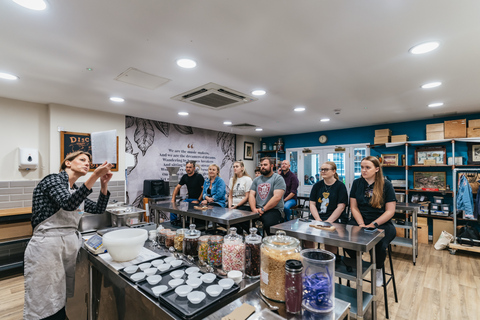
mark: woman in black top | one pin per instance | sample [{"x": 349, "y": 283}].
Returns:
[
  {"x": 328, "y": 199},
  {"x": 372, "y": 202}
]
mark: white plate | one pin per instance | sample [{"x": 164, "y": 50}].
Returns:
[
  {"x": 138, "y": 276},
  {"x": 191, "y": 270},
  {"x": 226, "y": 283},
  {"x": 159, "y": 290},
  {"x": 153, "y": 280},
  {"x": 183, "y": 290},
  {"x": 175, "y": 282},
  {"x": 177, "y": 274},
  {"x": 208, "y": 277},
  {"x": 214, "y": 290},
  {"x": 196, "y": 297}
]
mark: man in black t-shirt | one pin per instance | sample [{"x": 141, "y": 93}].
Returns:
[{"x": 194, "y": 182}]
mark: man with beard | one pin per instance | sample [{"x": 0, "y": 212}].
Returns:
[
  {"x": 266, "y": 195},
  {"x": 194, "y": 182}
]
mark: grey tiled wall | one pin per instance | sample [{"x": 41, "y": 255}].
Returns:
[{"x": 18, "y": 194}]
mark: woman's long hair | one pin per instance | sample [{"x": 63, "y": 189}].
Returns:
[
  {"x": 377, "y": 200},
  {"x": 333, "y": 167},
  {"x": 235, "y": 177}
]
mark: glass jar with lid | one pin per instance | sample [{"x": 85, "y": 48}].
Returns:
[
  {"x": 203, "y": 249},
  {"x": 275, "y": 251},
  {"x": 190, "y": 241},
  {"x": 215, "y": 244},
  {"x": 253, "y": 242},
  {"x": 178, "y": 240},
  {"x": 170, "y": 238},
  {"x": 162, "y": 236},
  {"x": 233, "y": 251}
]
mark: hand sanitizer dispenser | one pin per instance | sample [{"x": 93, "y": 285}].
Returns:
[{"x": 28, "y": 159}]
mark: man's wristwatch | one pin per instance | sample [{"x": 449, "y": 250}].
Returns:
[
  {"x": 263, "y": 211},
  {"x": 375, "y": 224}
]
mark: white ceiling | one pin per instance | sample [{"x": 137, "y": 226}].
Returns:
[{"x": 321, "y": 54}]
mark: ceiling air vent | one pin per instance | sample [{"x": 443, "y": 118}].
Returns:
[
  {"x": 214, "y": 96},
  {"x": 243, "y": 126}
]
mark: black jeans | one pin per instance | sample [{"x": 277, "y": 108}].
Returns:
[
  {"x": 271, "y": 218},
  {"x": 381, "y": 247}
]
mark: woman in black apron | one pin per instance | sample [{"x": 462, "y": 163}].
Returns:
[{"x": 50, "y": 257}]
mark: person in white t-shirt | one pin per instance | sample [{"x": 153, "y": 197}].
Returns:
[{"x": 239, "y": 186}]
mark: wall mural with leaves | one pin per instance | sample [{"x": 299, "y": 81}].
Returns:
[{"x": 157, "y": 145}]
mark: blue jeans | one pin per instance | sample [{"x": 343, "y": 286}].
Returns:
[
  {"x": 173, "y": 216},
  {"x": 286, "y": 207}
]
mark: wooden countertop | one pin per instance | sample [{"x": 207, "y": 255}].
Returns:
[{"x": 15, "y": 211}]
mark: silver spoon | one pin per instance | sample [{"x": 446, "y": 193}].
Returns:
[{"x": 271, "y": 307}]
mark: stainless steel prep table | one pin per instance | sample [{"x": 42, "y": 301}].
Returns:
[
  {"x": 347, "y": 237},
  {"x": 102, "y": 293},
  {"x": 215, "y": 214}
]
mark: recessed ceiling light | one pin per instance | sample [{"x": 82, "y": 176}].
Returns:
[
  {"x": 258, "y": 129},
  {"x": 183, "y": 113},
  {"x": 117, "y": 99},
  {"x": 424, "y": 47},
  {"x": 258, "y": 92},
  {"x": 32, "y": 4},
  {"x": 436, "y": 104},
  {"x": 431, "y": 85},
  {"x": 299, "y": 109},
  {"x": 7, "y": 76},
  {"x": 227, "y": 123},
  {"x": 186, "y": 63},
  {"x": 324, "y": 120}
]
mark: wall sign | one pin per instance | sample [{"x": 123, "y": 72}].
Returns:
[{"x": 75, "y": 141}]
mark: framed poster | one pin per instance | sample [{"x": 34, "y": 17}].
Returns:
[
  {"x": 248, "y": 150},
  {"x": 430, "y": 180},
  {"x": 473, "y": 153},
  {"x": 75, "y": 141},
  {"x": 390, "y": 159},
  {"x": 439, "y": 154}
]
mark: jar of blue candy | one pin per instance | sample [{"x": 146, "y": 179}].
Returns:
[{"x": 318, "y": 280}]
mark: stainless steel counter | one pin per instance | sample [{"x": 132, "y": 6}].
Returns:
[{"x": 220, "y": 215}]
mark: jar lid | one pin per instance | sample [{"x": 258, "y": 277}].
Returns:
[
  {"x": 192, "y": 233},
  {"x": 165, "y": 231},
  {"x": 181, "y": 231},
  {"x": 293, "y": 265},
  {"x": 204, "y": 238},
  {"x": 281, "y": 241},
  {"x": 232, "y": 236},
  {"x": 215, "y": 239},
  {"x": 253, "y": 237}
]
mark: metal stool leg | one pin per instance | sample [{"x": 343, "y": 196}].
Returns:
[
  {"x": 385, "y": 291},
  {"x": 393, "y": 274}
]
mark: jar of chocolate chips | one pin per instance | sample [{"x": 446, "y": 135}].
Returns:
[{"x": 253, "y": 242}]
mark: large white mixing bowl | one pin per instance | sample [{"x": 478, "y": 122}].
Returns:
[{"x": 125, "y": 244}]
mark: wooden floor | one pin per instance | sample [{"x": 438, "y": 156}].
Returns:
[{"x": 440, "y": 286}]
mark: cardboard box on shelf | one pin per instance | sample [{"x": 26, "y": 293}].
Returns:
[
  {"x": 439, "y": 226},
  {"x": 381, "y": 140},
  {"x": 473, "y": 132},
  {"x": 474, "y": 123},
  {"x": 438, "y": 135},
  {"x": 383, "y": 133},
  {"x": 435, "y": 127},
  {"x": 399, "y": 138},
  {"x": 456, "y": 128}
]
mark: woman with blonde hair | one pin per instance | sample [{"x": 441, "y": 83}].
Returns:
[
  {"x": 373, "y": 202},
  {"x": 239, "y": 186},
  {"x": 214, "y": 188},
  {"x": 50, "y": 258}
]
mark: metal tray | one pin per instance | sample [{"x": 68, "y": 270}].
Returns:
[
  {"x": 183, "y": 308},
  {"x": 145, "y": 286},
  {"x": 128, "y": 276}
]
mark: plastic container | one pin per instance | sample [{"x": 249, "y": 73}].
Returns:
[
  {"x": 233, "y": 251},
  {"x": 215, "y": 244},
  {"x": 190, "y": 241},
  {"x": 170, "y": 238},
  {"x": 125, "y": 244},
  {"x": 293, "y": 286},
  {"x": 253, "y": 243},
  {"x": 162, "y": 236},
  {"x": 318, "y": 279},
  {"x": 275, "y": 251},
  {"x": 178, "y": 240},
  {"x": 203, "y": 249}
]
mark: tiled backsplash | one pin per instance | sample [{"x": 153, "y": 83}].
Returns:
[{"x": 18, "y": 194}]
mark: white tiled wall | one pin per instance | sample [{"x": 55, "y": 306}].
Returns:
[{"x": 18, "y": 194}]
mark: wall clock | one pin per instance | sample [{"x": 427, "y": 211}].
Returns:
[{"x": 323, "y": 138}]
